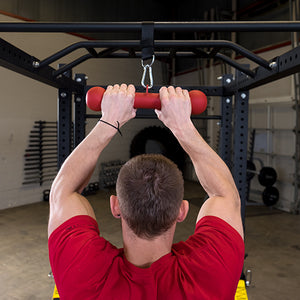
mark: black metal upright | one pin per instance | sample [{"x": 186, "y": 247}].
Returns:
[
  {"x": 226, "y": 124},
  {"x": 64, "y": 126},
  {"x": 240, "y": 144},
  {"x": 80, "y": 111}
]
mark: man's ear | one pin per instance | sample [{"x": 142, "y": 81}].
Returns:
[
  {"x": 114, "y": 206},
  {"x": 183, "y": 211}
]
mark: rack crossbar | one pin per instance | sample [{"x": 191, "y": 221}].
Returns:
[{"x": 71, "y": 27}]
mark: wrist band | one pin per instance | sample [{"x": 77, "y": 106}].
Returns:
[{"x": 117, "y": 128}]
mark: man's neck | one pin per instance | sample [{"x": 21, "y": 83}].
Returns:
[{"x": 143, "y": 252}]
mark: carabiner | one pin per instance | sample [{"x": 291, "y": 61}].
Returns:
[{"x": 147, "y": 67}]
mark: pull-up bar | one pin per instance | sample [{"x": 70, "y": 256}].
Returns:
[
  {"x": 263, "y": 26},
  {"x": 182, "y": 44},
  {"x": 159, "y": 44}
]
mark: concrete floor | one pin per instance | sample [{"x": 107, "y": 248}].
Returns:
[{"x": 272, "y": 244}]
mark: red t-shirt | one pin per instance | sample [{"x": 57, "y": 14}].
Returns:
[{"x": 86, "y": 266}]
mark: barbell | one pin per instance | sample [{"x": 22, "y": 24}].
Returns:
[
  {"x": 146, "y": 100},
  {"x": 267, "y": 176}
]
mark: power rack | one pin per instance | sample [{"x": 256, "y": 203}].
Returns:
[{"x": 234, "y": 118}]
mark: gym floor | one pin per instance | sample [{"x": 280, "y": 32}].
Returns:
[{"x": 272, "y": 244}]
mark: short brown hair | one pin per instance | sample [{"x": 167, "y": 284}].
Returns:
[{"x": 150, "y": 192}]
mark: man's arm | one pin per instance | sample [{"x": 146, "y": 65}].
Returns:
[
  {"x": 212, "y": 172},
  {"x": 65, "y": 199}
]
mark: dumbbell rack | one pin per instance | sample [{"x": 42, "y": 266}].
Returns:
[
  {"x": 109, "y": 173},
  {"x": 40, "y": 158}
]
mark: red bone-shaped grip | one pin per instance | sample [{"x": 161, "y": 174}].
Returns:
[{"x": 146, "y": 100}]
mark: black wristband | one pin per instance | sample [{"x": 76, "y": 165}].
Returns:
[{"x": 117, "y": 128}]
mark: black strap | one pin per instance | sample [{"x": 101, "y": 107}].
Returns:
[
  {"x": 117, "y": 128},
  {"x": 147, "y": 41}
]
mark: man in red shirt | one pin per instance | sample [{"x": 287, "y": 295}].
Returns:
[{"x": 149, "y": 202}]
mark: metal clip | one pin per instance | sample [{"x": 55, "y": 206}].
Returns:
[
  {"x": 248, "y": 279},
  {"x": 147, "y": 67},
  {"x": 50, "y": 275}
]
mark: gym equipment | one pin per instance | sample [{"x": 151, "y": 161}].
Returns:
[
  {"x": 109, "y": 173},
  {"x": 46, "y": 194},
  {"x": 165, "y": 142},
  {"x": 263, "y": 72},
  {"x": 96, "y": 186},
  {"x": 55, "y": 295},
  {"x": 146, "y": 100},
  {"x": 241, "y": 292},
  {"x": 33, "y": 159},
  {"x": 270, "y": 195},
  {"x": 267, "y": 176},
  {"x": 40, "y": 158},
  {"x": 40, "y": 163},
  {"x": 91, "y": 189}
]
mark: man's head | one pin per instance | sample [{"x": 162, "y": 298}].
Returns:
[{"x": 150, "y": 194}]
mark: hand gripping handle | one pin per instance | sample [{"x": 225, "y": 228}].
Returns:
[{"x": 146, "y": 100}]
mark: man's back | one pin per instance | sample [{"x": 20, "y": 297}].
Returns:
[{"x": 206, "y": 266}]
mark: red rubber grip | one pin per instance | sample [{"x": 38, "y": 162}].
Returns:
[{"x": 146, "y": 100}]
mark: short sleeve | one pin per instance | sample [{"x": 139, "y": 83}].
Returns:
[
  {"x": 79, "y": 257},
  {"x": 215, "y": 255}
]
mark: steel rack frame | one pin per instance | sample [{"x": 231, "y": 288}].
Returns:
[{"x": 234, "y": 118}]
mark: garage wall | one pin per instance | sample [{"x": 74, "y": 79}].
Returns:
[
  {"x": 272, "y": 114},
  {"x": 24, "y": 101}
]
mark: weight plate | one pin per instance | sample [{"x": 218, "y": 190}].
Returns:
[
  {"x": 267, "y": 176},
  {"x": 270, "y": 195}
]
